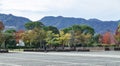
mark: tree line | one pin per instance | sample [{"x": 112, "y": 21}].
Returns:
[{"x": 37, "y": 35}]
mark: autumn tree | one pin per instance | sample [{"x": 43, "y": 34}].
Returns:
[
  {"x": 117, "y": 34},
  {"x": 1, "y": 26},
  {"x": 64, "y": 38},
  {"x": 52, "y": 39},
  {"x": 18, "y": 35},
  {"x": 108, "y": 38},
  {"x": 40, "y": 36},
  {"x": 80, "y": 34},
  {"x": 27, "y": 38},
  {"x": 82, "y": 38},
  {"x": 1, "y": 34},
  {"x": 50, "y": 36}
]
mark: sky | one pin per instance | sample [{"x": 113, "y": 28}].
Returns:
[{"x": 37, "y": 9}]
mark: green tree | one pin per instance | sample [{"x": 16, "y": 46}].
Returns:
[
  {"x": 9, "y": 36},
  {"x": 2, "y": 43},
  {"x": 40, "y": 36},
  {"x": 51, "y": 28},
  {"x": 10, "y": 31},
  {"x": 96, "y": 40},
  {"x": 6, "y": 38},
  {"x": 87, "y": 29},
  {"x": 32, "y": 25},
  {"x": 83, "y": 28}
]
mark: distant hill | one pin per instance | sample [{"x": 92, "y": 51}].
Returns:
[
  {"x": 63, "y": 22},
  {"x": 11, "y": 21}
]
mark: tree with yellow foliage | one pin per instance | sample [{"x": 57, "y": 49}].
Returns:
[
  {"x": 64, "y": 38},
  {"x": 52, "y": 39}
]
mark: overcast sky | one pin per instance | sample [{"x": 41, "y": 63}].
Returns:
[{"x": 36, "y": 9}]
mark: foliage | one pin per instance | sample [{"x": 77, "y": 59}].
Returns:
[
  {"x": 1, "y": 26},
  {"x": 52, "y": 39},
  {"x": 6, "y": 38},
  {"x": 9, "y": 39},
  {"x": 118, "y": 38},
  {"x": 80, "y": 34},
  {"x": 18, "y": 35},
  {"x": 51, "y": 28},
  {"x": 10, "y": 31},
  {"x": 83, "y": 28},
  {"x": 32, "y": 25},
  {"x": 82, "y": 38},
  {"x": 64, "y": 38},
  {"x": 40, "y": 36},
  {"x": 34, "y": 36}
]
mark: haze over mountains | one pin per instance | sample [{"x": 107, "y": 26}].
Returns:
[{"x": 11, "y": 21}]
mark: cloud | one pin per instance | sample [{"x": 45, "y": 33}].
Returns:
[
  {"x": 36, "y": 5},
  {"x": 35, "y": 9}
]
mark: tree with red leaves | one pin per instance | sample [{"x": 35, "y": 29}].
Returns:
[
  {"x": 1, "y": 26},
  {"x": 108, "y": 38},
  {"x": 18, "y": 35}
]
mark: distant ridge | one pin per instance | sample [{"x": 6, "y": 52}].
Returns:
[
  {"x": 15, "y": 22},
  {"x": 63, "y": 22}
]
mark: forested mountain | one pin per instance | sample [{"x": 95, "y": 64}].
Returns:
[
  {"x": 11, "y": 21},
  {"x": 63, "y": 22}
]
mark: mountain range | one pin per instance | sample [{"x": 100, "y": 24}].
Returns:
[
  {"x": 63, "y": 22},
  {"x": 11, "y": 21}
]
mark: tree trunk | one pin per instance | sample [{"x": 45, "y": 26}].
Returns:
[
  {"x": 45, "y": 48},
  {"x": 30, "y": 44},
  {"x": 40, "y": 44},
  {"x": 3, "y": 45},
  {"x": 63, "y": 46},
  {"x": 74, "y": 46}
]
